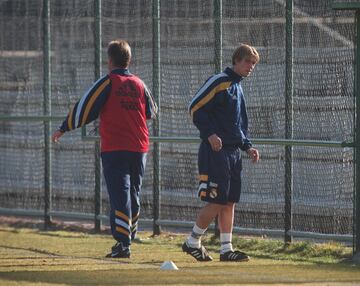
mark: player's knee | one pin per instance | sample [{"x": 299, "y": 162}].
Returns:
[{"x": 230, "y": 205}]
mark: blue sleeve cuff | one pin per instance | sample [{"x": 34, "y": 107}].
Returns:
[
  {"x": 246, "y": 145},
  {"x": 63, "y": 127}
]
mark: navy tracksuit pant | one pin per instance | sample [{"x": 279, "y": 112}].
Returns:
[{"x": 123, "y": 172}]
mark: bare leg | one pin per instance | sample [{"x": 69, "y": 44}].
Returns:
[
  {"x": 192, "y": 245},
  {"x": 226, "y": 218},
  {"x": 208, "y": 213}
]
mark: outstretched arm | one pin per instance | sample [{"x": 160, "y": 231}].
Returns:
[{"x": 87, "y": 109}]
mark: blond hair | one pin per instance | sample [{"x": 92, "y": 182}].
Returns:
[{"x": 244, "y": 51}]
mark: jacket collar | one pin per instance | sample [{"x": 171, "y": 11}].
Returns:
[
  {"x": 121, "y": 71},
  {"x": 233, "y": 75}
]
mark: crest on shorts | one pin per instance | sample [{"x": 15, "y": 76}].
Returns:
[{"x": 213, "y": 193}]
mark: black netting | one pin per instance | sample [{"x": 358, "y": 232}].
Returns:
[{"x": 323, "y": 81}]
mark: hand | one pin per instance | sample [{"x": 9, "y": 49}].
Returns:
[
  {"x": 254, "y": 154},
  {"x": 215, "y": 142},
  {"x": 56, "y": 136}
]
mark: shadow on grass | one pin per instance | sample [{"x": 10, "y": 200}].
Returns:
[
  {"x": 39, "y": 251},
  {"x": 50, "y": 255},
  {"x": 61, "y": 235},
  {"x": 56, "y": 225}
]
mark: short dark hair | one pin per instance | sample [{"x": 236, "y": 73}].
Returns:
[
  {"x": 119, "y": 52},
  {"x": 244, "y": 51}
]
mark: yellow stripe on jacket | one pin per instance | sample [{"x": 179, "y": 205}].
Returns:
[
  {"x": 92, "y": 100},
  {"x": 70, "y": 118},
  {"x": 221, "y": 87}
]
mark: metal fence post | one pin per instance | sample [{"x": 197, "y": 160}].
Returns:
[
  {"x": 47, "y": 111},
  {"x": 218, "y": 54},
  {"x": 288, "y": 219},
  {"x": 357, "y": 139},
  {"x": 97, "y": 74},
  {"x": 218, "y": 35},
  {"x": 356, "y": 212},
  {"x": 157, "y": 122}
]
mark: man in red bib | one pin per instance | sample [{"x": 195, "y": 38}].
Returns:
[{"x": 123, "y": 103}]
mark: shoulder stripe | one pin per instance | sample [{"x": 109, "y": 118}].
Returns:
[
  {"x": 209, "y": 96},
  {"x": 86, "y": 97},
  {"x": 92, "y": 100},
  {"x": 211, "y": 81},
  {"x": 71, "y": 119},
  {"x": 69, "y": 123}
]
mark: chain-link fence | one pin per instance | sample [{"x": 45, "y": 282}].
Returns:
[{"x": 195, "y": 39}]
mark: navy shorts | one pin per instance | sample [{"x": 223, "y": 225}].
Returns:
[{"x": 219, "y": 174}]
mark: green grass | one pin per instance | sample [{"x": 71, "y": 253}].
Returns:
[
  {"x": 331, "y": 252},
  {"x": 35, "y": 257}
]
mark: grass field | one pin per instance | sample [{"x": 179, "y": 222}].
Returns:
[{"x": 35, "y": 257}]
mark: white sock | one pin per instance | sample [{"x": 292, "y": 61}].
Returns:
[
  {"x": 225, "y": 240},
  {"x": 194, "y": 239}
]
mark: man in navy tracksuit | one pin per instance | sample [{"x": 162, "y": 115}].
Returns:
[
  {"x": 218, "y": 110},
  {"x": 123, "y": 103}
]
